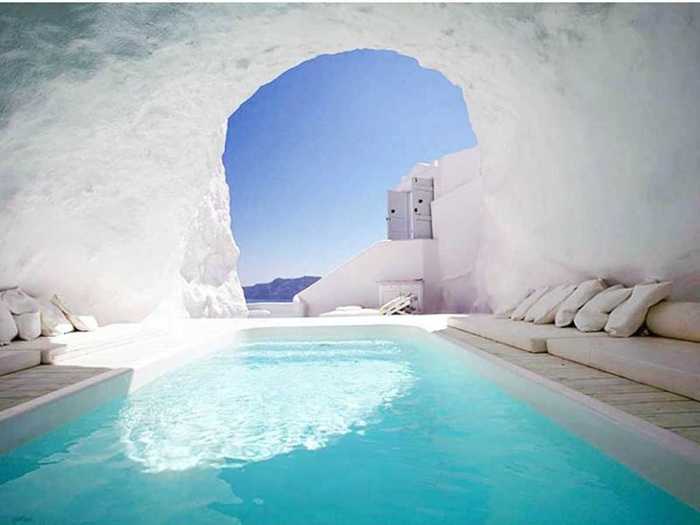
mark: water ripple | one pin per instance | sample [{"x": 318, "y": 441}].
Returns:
[{"x": 264, "y": 400}]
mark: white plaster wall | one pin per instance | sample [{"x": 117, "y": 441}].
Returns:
[
  {"x": 456, "y": 169},
  {"x": 111, "y": 133},
  {"x": 457, "y": 227},
  {"x": 355, "y": 282}
]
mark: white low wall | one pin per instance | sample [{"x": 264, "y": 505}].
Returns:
[
  {"x": 292, "y": 309},
  {"x": 355, "y": 282}
]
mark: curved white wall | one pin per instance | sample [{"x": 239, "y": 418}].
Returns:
[{"x": 111, "y": 133}]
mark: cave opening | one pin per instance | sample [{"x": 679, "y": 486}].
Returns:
[{"x": 310, "y": 155}]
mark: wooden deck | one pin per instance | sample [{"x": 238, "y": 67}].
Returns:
[
  {"x": 676, "y": 413},
  {"x": 25, "y": 385}
]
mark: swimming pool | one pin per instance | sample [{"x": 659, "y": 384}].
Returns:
[{"x": 362, "y": 426}]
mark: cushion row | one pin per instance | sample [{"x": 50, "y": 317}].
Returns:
[
  {"x": 27, "y": 318},
  {"x": 591, "y": 306}
]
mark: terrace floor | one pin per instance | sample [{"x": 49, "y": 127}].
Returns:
[
  {"x": 673, "y": 412},
  {"x": 29, "y": 384}
]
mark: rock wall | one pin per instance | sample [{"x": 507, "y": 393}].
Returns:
[{"x": 111, "y": 134}]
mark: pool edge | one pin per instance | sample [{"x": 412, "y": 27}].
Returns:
[
  {"x": 43, "y": 414},
  {"x": 661, "y": 438},
  {"x": 33, "y": 418}
]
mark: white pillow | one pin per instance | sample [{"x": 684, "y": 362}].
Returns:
[
  {"x": 594, "y": 314},
  {"x": 53, "y": 322},
  {"x": 584, "y": 293},
  {"x": 83, "y": 323},
  {"x": 627, "y": 318},
  {"x": 8, "y": 328},
  {"x": 510, "y": 308},
  {"x": 544, "y": 310},
  {"x": 28, "y": 325},
  {"x": 677, "y": 320},
  {"x": 520, "y": 312},
  {"x": 19, "y": 302}
]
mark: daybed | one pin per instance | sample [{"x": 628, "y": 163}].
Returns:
[
  {"x": 526, "y": 336},
  {"x": 11, "y": 361},
  {"x": 670, "y": 364}
]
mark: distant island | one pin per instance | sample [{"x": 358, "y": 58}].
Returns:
[{"x": 279, "y": 290}]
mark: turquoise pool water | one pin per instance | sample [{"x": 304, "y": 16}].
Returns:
[{"x": 374, "y": 430}]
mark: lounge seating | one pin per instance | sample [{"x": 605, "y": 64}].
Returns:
[
  {"x": 664, "y": 363},
  {"x": 48, "y": 350},
  {"x": 11, "y": 361},
  {"x": 351, "y": 311},
  {"x": 670, "y": 364},
  {"x": 253, "y": 314},
  {"x": 520, "y": 334},
  {"x": 398, "y": 305},
  {"x": 63, "y": 348}
]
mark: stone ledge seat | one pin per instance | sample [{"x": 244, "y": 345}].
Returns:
[
  {"x": 47, "y": 350},
  {"x": 11, "y": 361},
  {"x": 526, "y": 336},
  {"x": 58, "y": 349},
  {"x": 669, "y": 364}
]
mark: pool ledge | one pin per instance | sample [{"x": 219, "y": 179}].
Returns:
[
  {"x": 30, "y": 419},
  {"x": 659, "y": 455}
]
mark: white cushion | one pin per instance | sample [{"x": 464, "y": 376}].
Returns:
[
  {"x": 527, "y": 336},
  {"x": 28, "y": 325},
  {"x": 8, "y": 328},
  {"x": 53, "y": 322},
  {"x": 507, "y": 310},
  {"x": 665, "y": 363},
  {"x": 255, "y": 314},
  {"x": 544, "y": 310},
  {"x": 594, "y": 314},
  {"x": 83, "y": 323},
  {"x": 19, "y": 302},
  {"x": 584, "y": 292},
  {"x": 627, "y": 318},
  {"x": 12, "y": 361},
  {"x": 676, "y": 320},
  {"x": 351, "y": 313},
  {"x": 520, "y": 312}
]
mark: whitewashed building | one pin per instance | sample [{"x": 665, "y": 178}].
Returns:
[{"x": 433, "y": 224}]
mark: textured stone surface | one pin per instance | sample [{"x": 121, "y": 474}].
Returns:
[{"x": 112, "y": 122}]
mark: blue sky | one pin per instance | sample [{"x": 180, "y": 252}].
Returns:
[{"x": 309, "y": 157}]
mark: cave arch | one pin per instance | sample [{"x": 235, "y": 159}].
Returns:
[
  {"x": 113, "y": 139},
  {"x": 315, "y": 150}
]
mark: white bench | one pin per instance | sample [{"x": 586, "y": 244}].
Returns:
[
  {"x": 664, "y": 363},
  {"x": 526, "y": 336},
  {"x": 669, "y": 364},
  {"x": 12, "y": 361}
]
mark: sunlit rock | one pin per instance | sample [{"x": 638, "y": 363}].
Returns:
[{"x": 111, "y": 134}]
